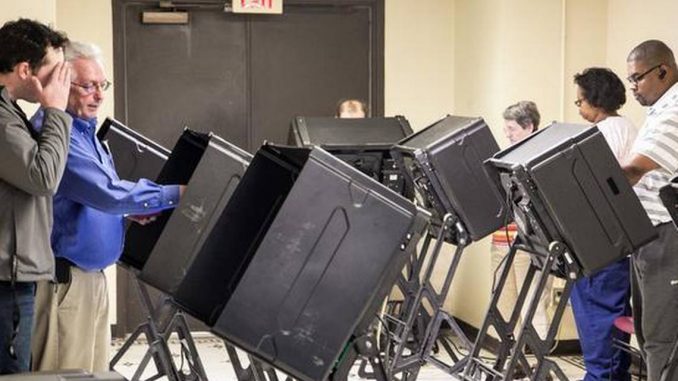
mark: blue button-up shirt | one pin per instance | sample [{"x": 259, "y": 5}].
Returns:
[{"x": 92, "y": 200}]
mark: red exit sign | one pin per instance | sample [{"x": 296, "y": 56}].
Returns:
[{"x": 258, "y": 6}]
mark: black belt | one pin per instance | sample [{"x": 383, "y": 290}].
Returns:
[{"x": 62, "y": 270}]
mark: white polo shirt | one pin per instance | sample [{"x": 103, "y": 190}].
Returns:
[{"x": 620, "y": 133}]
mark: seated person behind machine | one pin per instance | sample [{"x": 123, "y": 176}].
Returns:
[
  {"x": 351, "y": 108},
  {"x": 521, "y": 120}
]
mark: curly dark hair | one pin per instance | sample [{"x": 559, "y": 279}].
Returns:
[
  {"x": 601, "y": 88},
  {"x": 26, "y": 40}
]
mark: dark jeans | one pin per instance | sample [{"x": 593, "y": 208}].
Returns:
[
  {"x": 25, "y": 294},
  {"x": 596, "y": 302}
]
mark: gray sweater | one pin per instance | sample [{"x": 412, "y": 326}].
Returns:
[{"x": 30, "y": 170}]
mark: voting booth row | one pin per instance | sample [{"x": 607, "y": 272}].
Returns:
[{"x": 290, "y": 252}]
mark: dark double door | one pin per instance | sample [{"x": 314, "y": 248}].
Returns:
[{"x": 242, "y": 77}]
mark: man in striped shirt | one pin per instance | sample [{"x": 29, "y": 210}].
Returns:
[{"x": 654, "y": 161}]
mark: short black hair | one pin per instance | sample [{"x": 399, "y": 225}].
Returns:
[
  {"x": 653, "y": 52},
  {"x": 26, "y": 40},
  {"x": 601, "y": 88}
]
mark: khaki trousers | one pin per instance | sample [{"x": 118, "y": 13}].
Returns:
[
  {"x": 71, "y": 324},
  {"x": 514, "y": 282}
]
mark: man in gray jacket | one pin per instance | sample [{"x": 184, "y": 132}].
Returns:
[{"x": 32, "y": 69}]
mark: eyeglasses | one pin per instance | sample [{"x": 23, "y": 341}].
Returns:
[
  {"x": 91, "y": 87},
  {"x": 578, "y": 102},
  {"x": 635, "y": 78}
]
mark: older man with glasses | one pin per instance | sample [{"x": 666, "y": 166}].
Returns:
[
  {"x": 654, "y": 161},
  {"x": 71, "y": 318}
]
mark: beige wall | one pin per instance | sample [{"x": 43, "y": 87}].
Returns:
[
  {"x": 419, "y": 60},
  {"x": 585, "y": 42},
  {"x": 512, "y": 49},
  {"x": 41, "y": 10},
  {"x": 96, "y": 27},
  {"x": 464, "y": 57},
  {"x": 67, "y": 15},
  {"x": 506, "y": 51},
  {"x": 632, "y": 22}
]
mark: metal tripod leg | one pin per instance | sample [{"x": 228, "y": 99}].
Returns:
[
  {"x": 413, "y": 328},
  {"x": 412, "y": 307},
  {"x": 179, "y": 325},
  {"x": 403, "y": 326},
  {"x": 511, "y": 353},
  {"x": 440, "y": 317},
  {"x": 475, "y": 366},
  {"x": 262, "y": 372},
  {"x": 457, "y": 363},
  {"x": 378, "y": 373},
  {"x": 423, "y": 349},
  {"x": 255, "y": 371},
  {"x": 527, "y": 335},
  {"x": 158, "y": 349},
  {"x": 241, "y": 373},
  {"x": 161, "y": 321}
]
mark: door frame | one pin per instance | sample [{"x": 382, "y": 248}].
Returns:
[{"x": 124, "y": 291}]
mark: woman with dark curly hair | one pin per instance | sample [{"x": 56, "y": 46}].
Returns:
[
  {"x": 600, "y": 94},
  {"x": 601, "y": 298}
]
